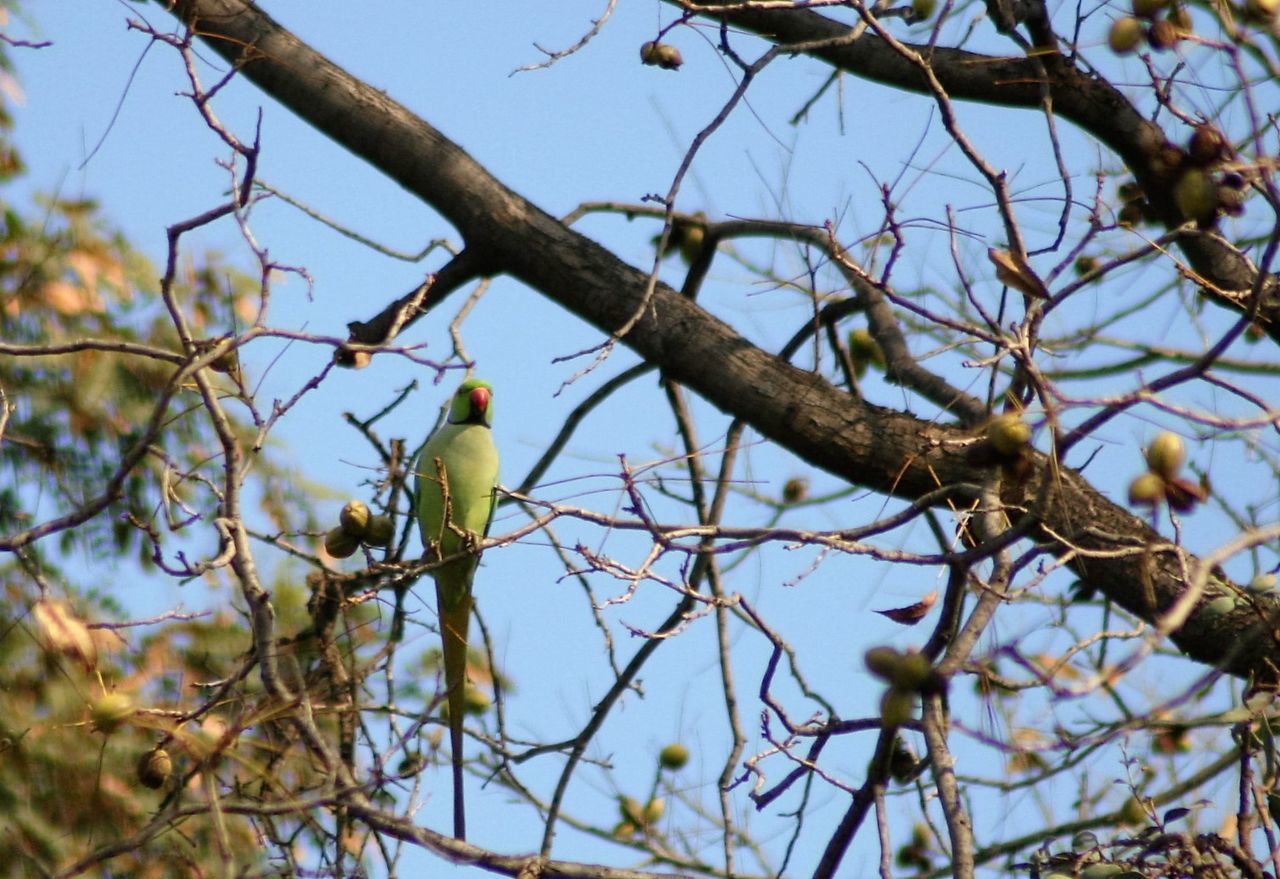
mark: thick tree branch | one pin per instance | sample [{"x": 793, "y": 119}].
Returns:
[{"x": 888, "y": 451}]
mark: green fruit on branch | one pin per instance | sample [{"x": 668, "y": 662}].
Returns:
[
  {"x": 110, "y": 712},
  {"x": 1125, "y": 35},
  {"x": 354, "y": 519},
  {"x": 673, "y": 756},
  {"x": 154, "y": 768},
  {"x": 339, "y": 544},
  {"x": 1166, "y": 455},
  {"x": 381, "y": 531},
  {"x": 1146, "y": 490},
  {"x": 1008, "y": 434}
]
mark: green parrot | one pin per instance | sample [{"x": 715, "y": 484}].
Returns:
[{"x": 457, "y": 480}]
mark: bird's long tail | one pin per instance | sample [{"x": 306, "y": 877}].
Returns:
[{"x": 455, "y": 614}]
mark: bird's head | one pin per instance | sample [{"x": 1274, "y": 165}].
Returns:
[{"x": 472, "y": 403}]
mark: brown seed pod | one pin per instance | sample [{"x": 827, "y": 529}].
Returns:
[
  {"x": 1163, "y": 35},
  {"x": 154, "y": 768},
  {"x": 1207, "y": 146}
]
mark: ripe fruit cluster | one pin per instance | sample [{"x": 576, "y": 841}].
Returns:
[
  {"x": 356, "y": 525},
  {"x": 908, "y": 675},
  {"x": 1160, "y": 22},
  {"x": 1200, "y": 189},
  {"x": 663, "y": 55},
  {"x": 1161, "y": 483}
]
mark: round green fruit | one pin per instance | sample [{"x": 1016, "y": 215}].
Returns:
[
  {"x": 111, "y": 712},
  {"x": 1125, "y": 35},
  {"x": 673, "y": 756},
  {"x": 1146, "y": 490},
  {"x": 354, "y": 519},
  {"x": 1166, "y": 455},
  {"x": 1008, "y": 434},
  {"x": 339, "y": 544},
  {"x": 154, "y": 768}
]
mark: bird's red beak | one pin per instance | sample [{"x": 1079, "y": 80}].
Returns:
[{"x": 480, "y": 399}]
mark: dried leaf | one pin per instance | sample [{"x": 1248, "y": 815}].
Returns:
[
  {"x": 1013, "y": 271},
  {"x": 65, "y": 633},
  {"x": 912, "y": 613}
]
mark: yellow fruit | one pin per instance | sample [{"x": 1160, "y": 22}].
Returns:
[
  {"x": 922, "y": 9},
  {"x": 1148, "y": 8},
  {"x": 354, "y": 519},
  {"x": 624, "y": 830},
  {"x": 1146, "y": 490},
  {"x": 1262, "y": 11},
  {"x": 1125, "y": 35},
  {"x": 339, "y": 544},
  {"x": 110, "y": 712},
  {"x": 1166, "y": 455},
  {"x": 1008, "y": 433},
  {"x": 654, "y": 810},
  {"x": 631, "y": 810},
  {"x": 913, "y": 671},
  {"x": 154, "y": 768},
  {"x": 673, "y": 756},
  {"x": 381, "y": 530}
]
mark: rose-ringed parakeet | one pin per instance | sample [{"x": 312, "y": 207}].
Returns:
[{"x": 457, "y": 479}]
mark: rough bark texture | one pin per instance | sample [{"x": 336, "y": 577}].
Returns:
[{"x": 885, "y": 450}]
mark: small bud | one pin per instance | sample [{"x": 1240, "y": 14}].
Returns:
[
  {"x": 795, "y": 490},
  {"x": 1086, "y": 264}
]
